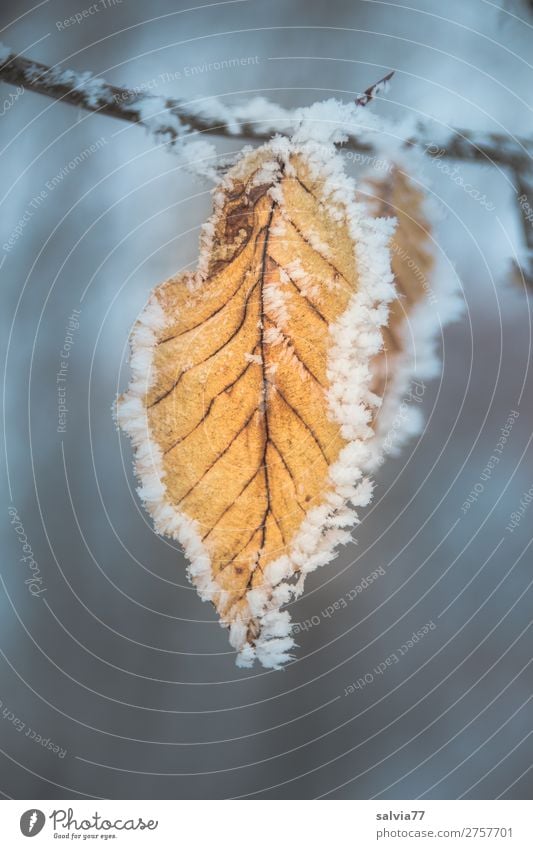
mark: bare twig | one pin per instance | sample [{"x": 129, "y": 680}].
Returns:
[{"x": 373, "y": 90}]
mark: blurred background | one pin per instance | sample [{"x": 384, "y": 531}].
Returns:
[{"x": 115, "y": 680}]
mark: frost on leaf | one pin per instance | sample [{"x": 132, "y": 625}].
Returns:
[{"x": 251, "y": 402}]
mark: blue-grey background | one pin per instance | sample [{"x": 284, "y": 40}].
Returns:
[{"x": 119, "y": 663}]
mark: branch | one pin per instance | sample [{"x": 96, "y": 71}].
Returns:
[
  {"x": 164, "y": 117},
  {"x": 524, "y": 191},
  {"x": 173, "y": 120}
]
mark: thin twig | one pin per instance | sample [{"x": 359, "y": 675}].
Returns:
[
  {"x": 373, "y": 90},
  {"x": 525, "y": 204}
]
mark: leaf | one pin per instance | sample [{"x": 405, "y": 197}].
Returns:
[
  {"x": 412, "y": 262},
  {"x": 428, "y": 298},
  {"x": 250, "y": 404}
]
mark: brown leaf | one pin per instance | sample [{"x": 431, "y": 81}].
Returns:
[
  {"x": 412, "y": 261},
  {"x": 250, "y": 403}
]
